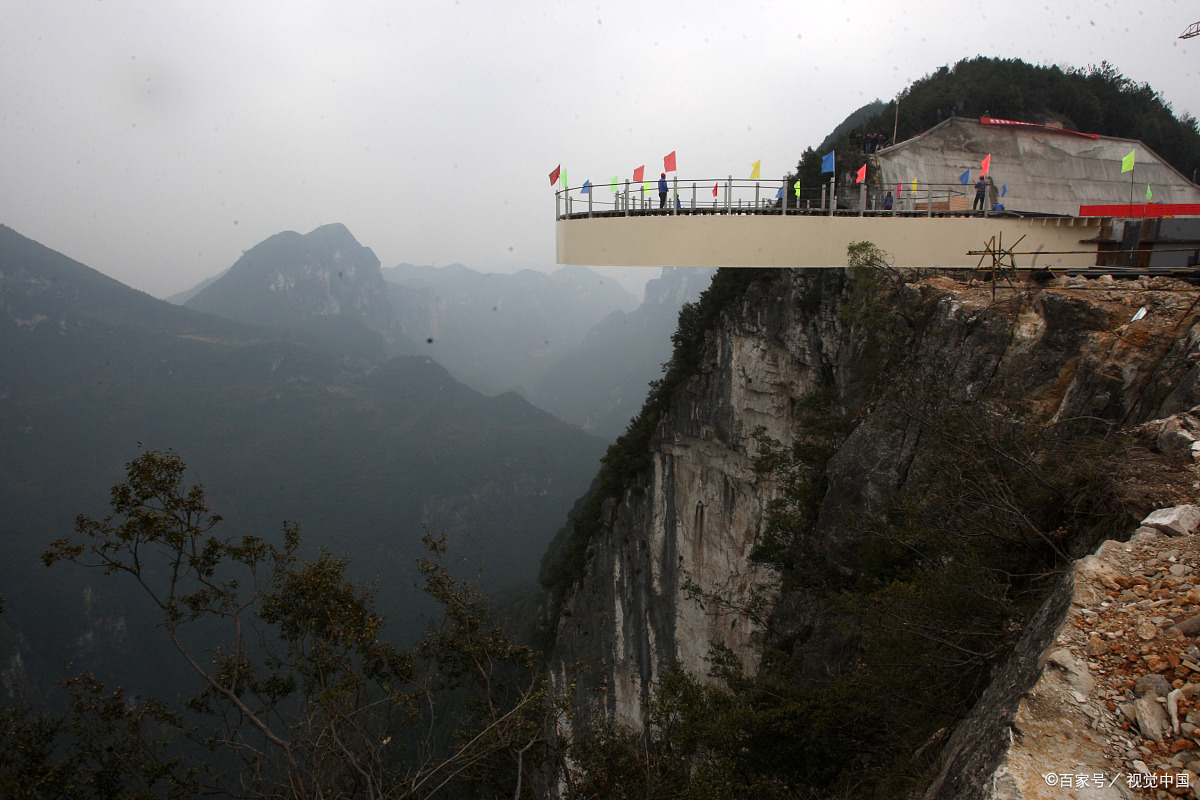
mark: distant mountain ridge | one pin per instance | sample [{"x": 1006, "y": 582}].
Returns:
[
  {"x": 495, "y": 331},
  {"x": 277, "y": 425},
  {"x": 600, "y": 385}
]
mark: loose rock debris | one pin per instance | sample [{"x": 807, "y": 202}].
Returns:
[{"x": 1116, "y": 712}]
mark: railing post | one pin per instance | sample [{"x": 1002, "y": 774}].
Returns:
[
  {"x": 783, "y": 193},
  {"x": 627, "y": 197},
  {"x": 591, "y": 191},
  {"x": 929, "y": 200},
  {"x": 729, "y": 195},
  {"x": 693, "y": 197},
  {"x": 822, "y": 197},
  {"x": 832, "y": 194},
  {"x": 557, "y": 203},
  {"x": 862, "y": 199},
  {"x": 675, "y": 200},
  {"x": 756, "y": 196}
]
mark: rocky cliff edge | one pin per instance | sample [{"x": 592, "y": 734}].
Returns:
[{"x": 1101, "y": 698}]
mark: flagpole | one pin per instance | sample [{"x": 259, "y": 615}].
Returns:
[{"x": 1131, "y": 190}]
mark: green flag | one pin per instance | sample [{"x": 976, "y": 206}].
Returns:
[
  {"x": 563, "y": 177},
  {"x": 1127, "y": 162},
  {"x": 1149, "y": 194},
  {"x": 613, "y": 182}
]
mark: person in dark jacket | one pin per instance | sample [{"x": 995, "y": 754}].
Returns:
[{"x": 662, "y": 191}]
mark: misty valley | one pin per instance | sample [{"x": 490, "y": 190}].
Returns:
[{"x": 321, "y": 528}]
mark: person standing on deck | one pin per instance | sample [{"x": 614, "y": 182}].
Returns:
[
  {"x": 662, "y": 191},
  {"x": 980, "y": 190}
]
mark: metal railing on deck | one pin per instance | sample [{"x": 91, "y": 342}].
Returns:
[{"x": 730, "y": 196}]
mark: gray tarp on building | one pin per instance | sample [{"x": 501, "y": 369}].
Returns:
[{"x": 1046, "y": 170}]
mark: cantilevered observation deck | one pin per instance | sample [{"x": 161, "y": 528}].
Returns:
[
  {"x": 1046, "y": 176},
  {"x": 747, "y": 225}
]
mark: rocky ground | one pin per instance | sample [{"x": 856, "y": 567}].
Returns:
[{"x": 1116, "y": 712}]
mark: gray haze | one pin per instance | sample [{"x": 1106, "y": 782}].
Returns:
[{"x": 156, "y": 141}]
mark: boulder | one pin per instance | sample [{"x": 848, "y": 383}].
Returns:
[
  {"x": 1152, "y": 719},
  {"x": 1152, "y": 683},
  {"x": 1174, "y": 521}
]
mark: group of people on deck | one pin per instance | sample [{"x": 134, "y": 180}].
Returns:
[{"x": 985, "y": 192}]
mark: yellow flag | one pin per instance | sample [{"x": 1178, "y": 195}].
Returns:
[
  {"x": 1127, "y": 162},
  {"x": 914, "y": 185},
  {"x": 754, "y": 172}
]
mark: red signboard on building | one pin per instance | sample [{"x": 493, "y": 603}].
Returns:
[{"x": 1139, "y": 210}]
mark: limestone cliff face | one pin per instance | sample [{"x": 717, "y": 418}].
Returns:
[
  {"x": 694, "y": 515},
  {"x": 669, "y": 575}
]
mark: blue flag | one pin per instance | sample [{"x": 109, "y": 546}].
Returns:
[
  {"x": 587, "y": 187},
  {"x": 1004, "y": 190},
  {"x": 965, "y": 178},
  {"x": 827, "y": 162},
  {"x": 779, "y": 194}
]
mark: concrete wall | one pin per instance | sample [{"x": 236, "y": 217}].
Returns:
[{"x": 776, "y": 241}]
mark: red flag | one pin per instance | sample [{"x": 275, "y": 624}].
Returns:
[
  {"x": 554, "y": 174},
  {"x": 639, "y": 173},
  {"x": 715, "y": 185},
  {"x": 669, "y": 162},
  {"x": 862, "y": 173},
  {"x": 987, "y": 165}
]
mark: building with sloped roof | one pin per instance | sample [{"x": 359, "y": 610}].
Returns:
[{"x": 1041, "y": 169}]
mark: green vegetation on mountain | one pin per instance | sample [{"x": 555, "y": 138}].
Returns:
[{"x": 1096, "y": 99}]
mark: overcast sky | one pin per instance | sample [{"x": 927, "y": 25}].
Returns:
[{"x": 156, "y": 140}]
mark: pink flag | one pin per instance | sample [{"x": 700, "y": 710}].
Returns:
[
  {"x": 862, "y": 173},
  {"x": 554, "y": 175},
  {"x": 899, "y": 189},
  {"x": 669, "y": 162},
  {"x": 987, "y": 165},
  {"x": 639, "y": 173}
]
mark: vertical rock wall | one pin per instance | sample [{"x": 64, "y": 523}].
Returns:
[{"x": 692, "y": 518}]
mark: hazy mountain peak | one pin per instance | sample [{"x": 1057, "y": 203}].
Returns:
[{"x": 294, "y": 280}]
